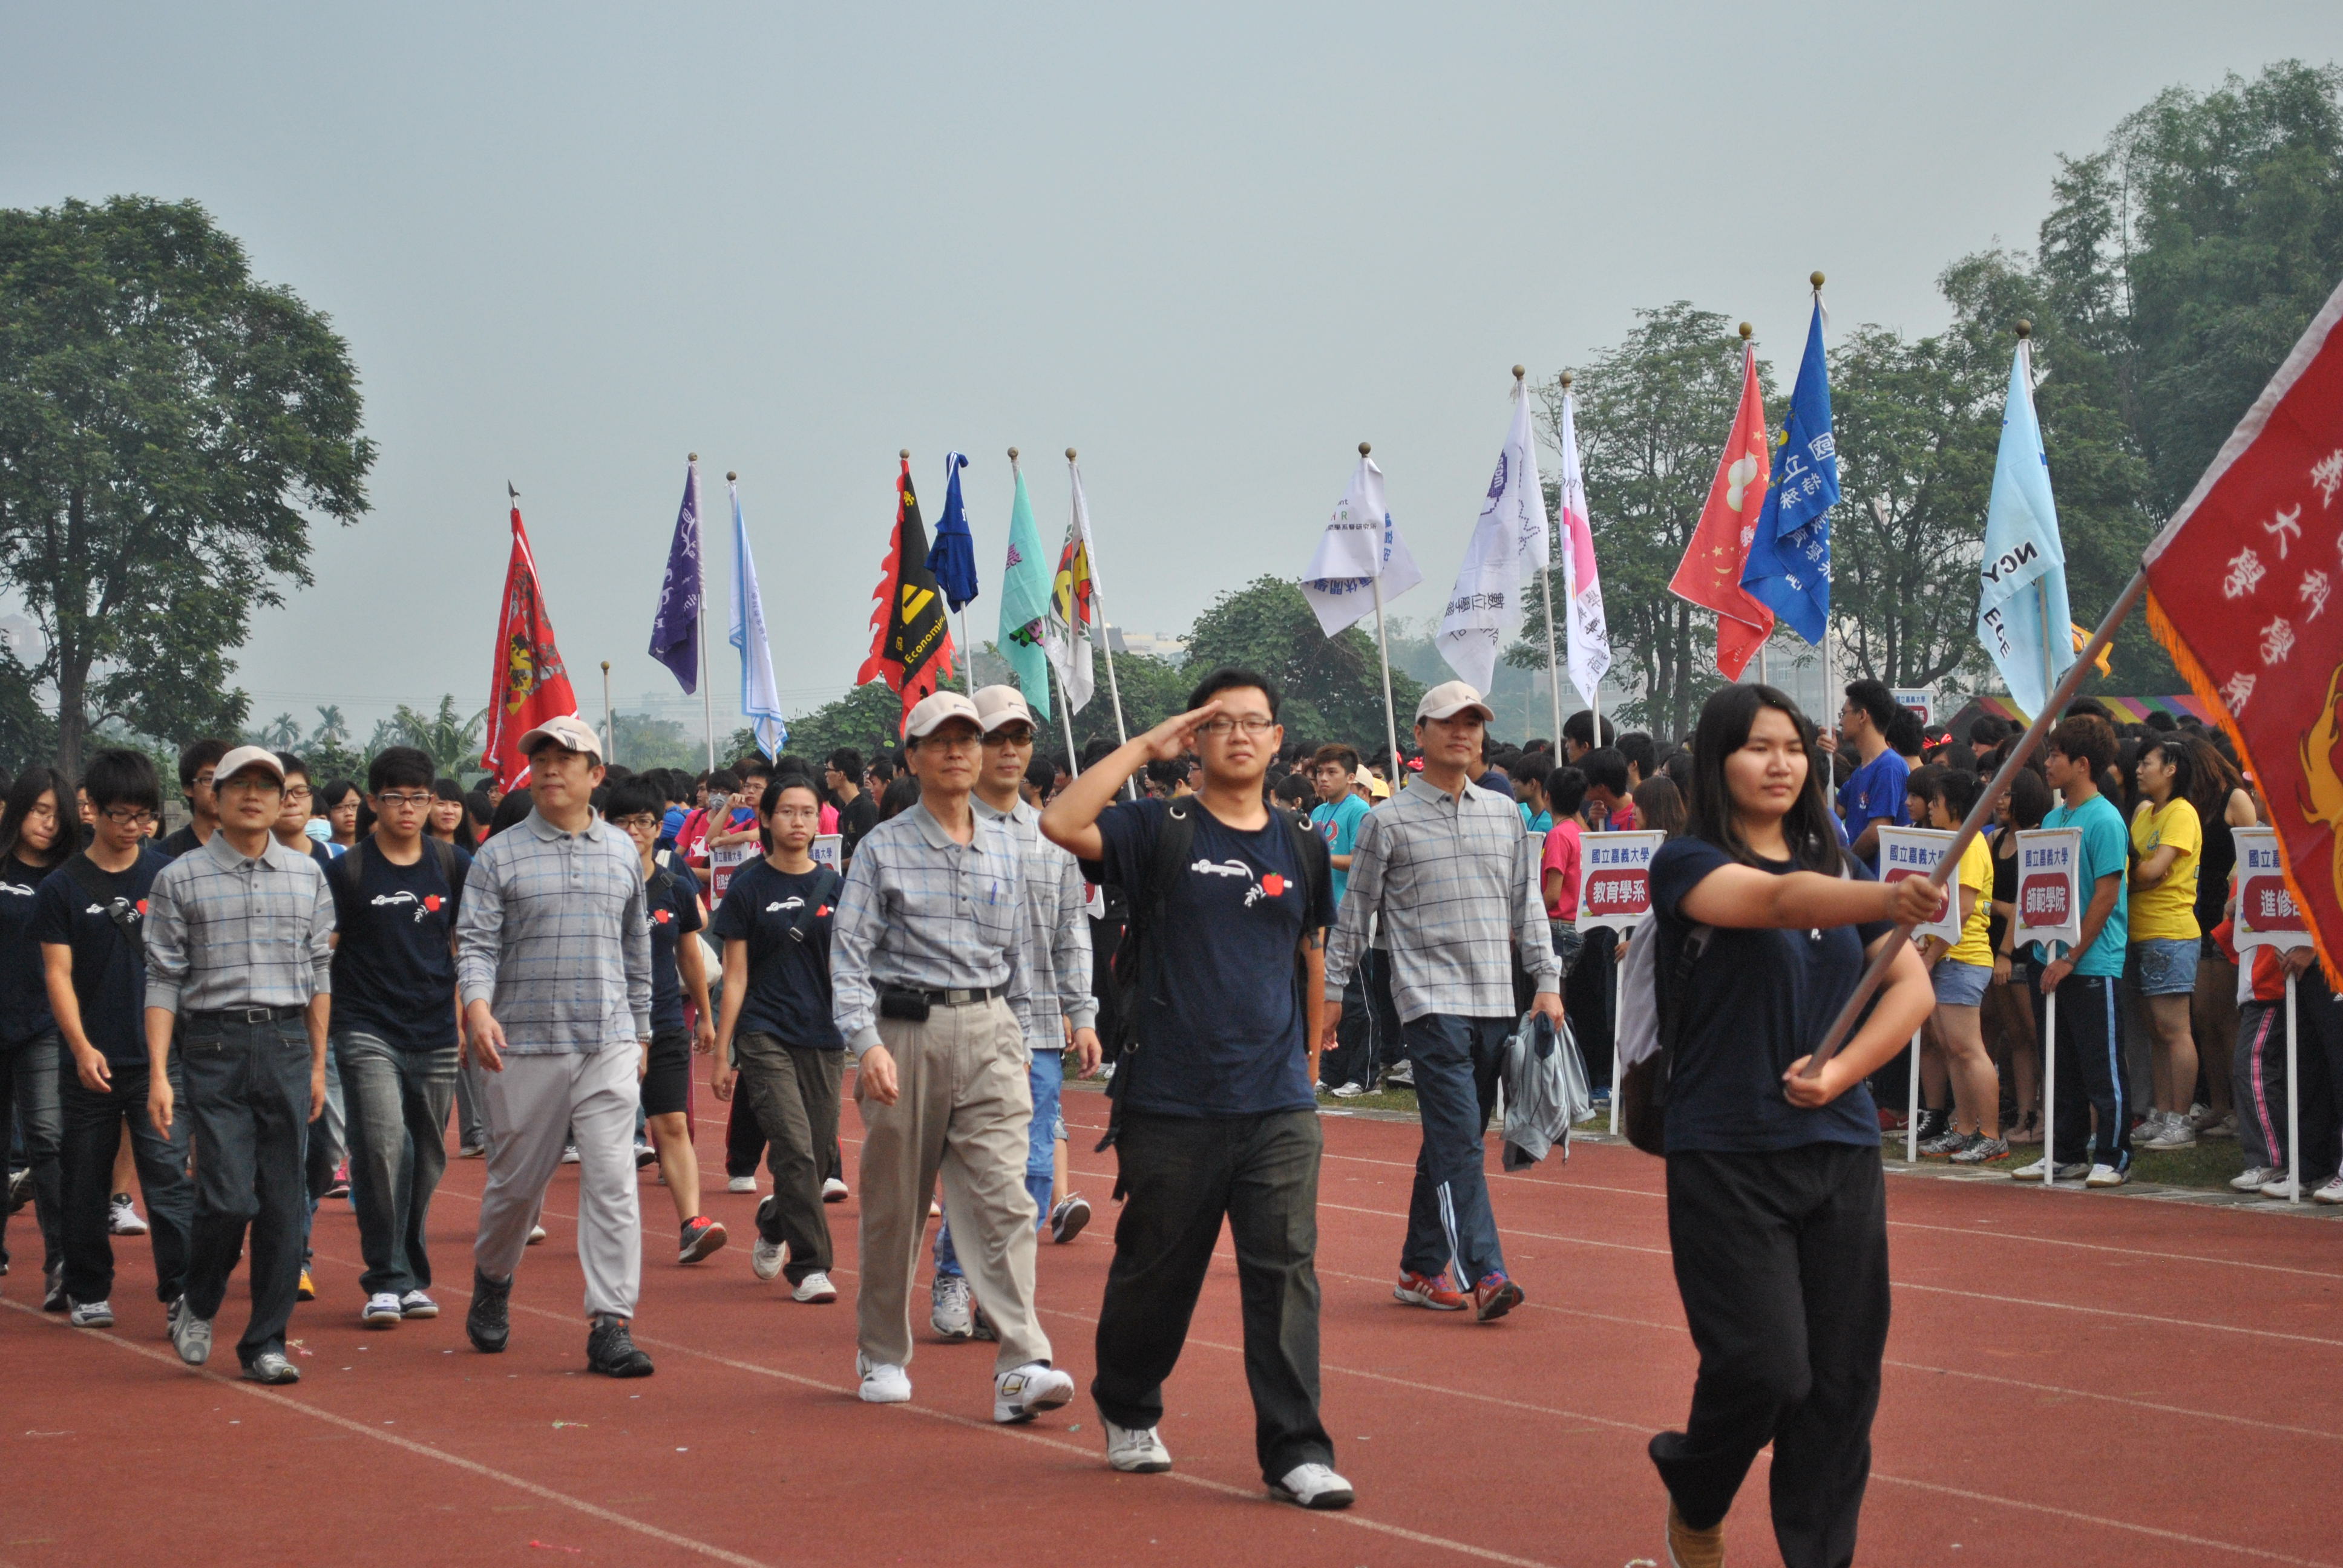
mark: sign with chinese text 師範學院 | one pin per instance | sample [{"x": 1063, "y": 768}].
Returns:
[{"x": 2049, "y": 894}]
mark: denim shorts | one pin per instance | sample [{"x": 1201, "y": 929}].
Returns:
[
  {"x": 2165, "y": 966},
  {"x": 1959, "y": 984}
]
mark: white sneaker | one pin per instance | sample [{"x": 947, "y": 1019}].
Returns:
[
  {"x": 815, "y": 1287},
  {"x": 766, "y": 1258},
  {"x": 2278, "y": 1187},
  {"x": 1351, "y": 1091},
  {"x": 948, "y": 1310},
  {"x": 191, "y": 1336},
  {"x": 2227, "y": 1127},
  {"x": 91, "y": 1315},
  {"x": 2074, "y": 1170},
  {"x": 1136, "y": 1450},
  {"x": 1023, "y": 1392},
  {"x": 122, "y": 1217},
  {"x": 883, "y": 1382},
  {"x": 2198, "y": 1115},
  {"x": 2254, "y": 1177},
  {"x": 570, "y": 1155},
  {"x": 2172, "y": 1133},
  {"x": 416, "y": 1305},
  {"x": 2108, "y": 1176},
  {"x": 833, "y": 1191},
  {"x": 1312, "y": 1486},
  {"x": 741, "y": 1184},
  {"x": 2330, "y": 1193},
  {"x": 381, "y": 1311},
  {"x": 536, "y": 1234}
]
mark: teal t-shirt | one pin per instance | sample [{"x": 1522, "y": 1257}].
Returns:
[
  {"x": 1339, "y": 825},
  {"x": 1541, "y": 823},
  {"x": 2106, "y": 850}
]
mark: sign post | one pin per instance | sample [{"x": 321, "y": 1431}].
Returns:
[
  {"x": 1913, "y": 852},
  {"x": 2267, "y": 917},
  {"x": 1614, "y": 891},
  {"x": 2050, "y": 913}
]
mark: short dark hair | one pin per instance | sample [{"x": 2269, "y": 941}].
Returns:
[
  {"x": 1877, "y": 701},
  {"x": 1227, "y": 679},
  {"x": 1566, "y": 791},
  {"x": 401, "y": 767},
  {"x": 753, "y": 766},
  {"x": 118, "y": 776},
  {"x": 786, "y": 779},
  {"x": 1529, "y": 768},
  {"x": 1343, "y": 756},
  {"x": 1641, "y": 754},
  {"x": 633, "y": 798},
  {"x": 849, "y": 761},
  {"x": 1580, "y": 726},
  {"x": 334, "y": 791},
  {"x": 1958, "y": 789},
  {"x": 196, "y": 756},
  {"x": 292, "y": 764},
  {"x": 1904, "y": 734},
  {"x": 723, "y": 781},
  {"x": 2087, "y": 738},
  {"x": 1604, "y": 769},
  {"x": 1041, "y": 773}
]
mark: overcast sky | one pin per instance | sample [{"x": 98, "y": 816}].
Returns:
[{"x": 1212, "y": 246}]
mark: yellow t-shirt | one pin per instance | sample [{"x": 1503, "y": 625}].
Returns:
[
  {"x": 2167, "y": 911},
  {"x": 1976, "y": 871}
]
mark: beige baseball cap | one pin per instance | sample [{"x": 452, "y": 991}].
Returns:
[
  {"x": 933, "y": 709},
  {"x": 567, "y": 730},
  {"x": 245, "y": 756},
  {"x": 999, "y": 704},
  {"x": 1451, "y": 698}
]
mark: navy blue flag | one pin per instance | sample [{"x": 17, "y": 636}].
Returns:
[
  {"x": 953, "y": 557},
  {"x": 675, "y": 629},
  {"x": 1788, "y": 568}
]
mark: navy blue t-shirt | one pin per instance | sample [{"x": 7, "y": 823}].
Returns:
[
  {"x": 1228, "y": 1036},
  {"x": 109, "y": 965},
  {"x": 394, "y": 975},
  {"x": 674, "y": 915},
  {"x": 24, "y": 990},
  {"x": 789, "y": 977},
  {"x": 1757, "y": 1001}
]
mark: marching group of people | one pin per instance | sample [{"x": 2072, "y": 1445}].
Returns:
[{"x": 307, "y": 973}]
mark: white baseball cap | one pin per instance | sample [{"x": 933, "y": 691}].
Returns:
[
  {"x": 567, "y": 730},
  {"x": 245, "y": 756},
  {"x": 999, "y": 704},
  {"x": 935, "y": 708},
  {"x": 1451, "y": 698}
]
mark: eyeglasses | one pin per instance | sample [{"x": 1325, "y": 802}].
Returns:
[
  {"x": 1017, "y": 737},
  {"x": 1252, "y": 723},
  {"x": 254, "y": 784},
  {"x": 298, "y": 792},
  {"x": 406, "y": 798},
  {"x": 640, "y": 821},
  {"x": 796, "y": 814},
  {"x": 128, "y": 816}
]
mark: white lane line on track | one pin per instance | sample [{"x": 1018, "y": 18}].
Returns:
[
  {"x": 2121, "y": 1252},
  {"x": 423, "y": 1450},
  {"x": 2103, "y": 1524}
]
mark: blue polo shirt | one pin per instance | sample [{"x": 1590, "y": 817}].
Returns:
[{"x": 1873, "y": 793}]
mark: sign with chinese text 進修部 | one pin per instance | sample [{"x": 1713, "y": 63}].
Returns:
[{"x": 2268, "y": 915}]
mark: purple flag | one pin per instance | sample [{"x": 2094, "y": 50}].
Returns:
[{"x": 675, "y": 630}]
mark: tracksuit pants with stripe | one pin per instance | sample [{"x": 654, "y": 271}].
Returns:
[
  {"x": 2261, "y": 1083},
  {"x": 2089, "y": 1072},
  {"x": 1458, "y": 1062}
]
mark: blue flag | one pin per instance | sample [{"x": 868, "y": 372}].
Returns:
[
  {"x": 952, "y": 557},
  {"x": 1788, "y": 568},
  {"x": 675, "y": 629},
  {"x": 2021, "y": 615}
]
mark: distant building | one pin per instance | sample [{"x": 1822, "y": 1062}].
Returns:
[{"x": 1155, "y": 644}]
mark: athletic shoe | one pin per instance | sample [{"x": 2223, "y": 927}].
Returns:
[
  {"x": 570, "y": 1155},
  {"x": 2332, "y": 1193},
  {"x": 883, "y": 1382},
  {"x": 53, "y": 1292},
  {"x": 935, "y": 1209},
  {"x": 1428, "y": 1290},
  {"x": 20, "y": 1188},
  {"x": 2071, "y": 1171},
  {"x": 766, "y": 1258},
  {"x": 2174, "y": 1134},
  {"x": 1689, "y": 1548},
  {"x": 381, "y": 1311},
  {"x": 1979, "y": 1149},
  {"x": 2277, "y": 1187},
  {"x": 815, "y": 1290},
  {"x": 416, "y": 1305},
  {"x": 122, "y": 1217},
  {"x": 271, "y": 1367},
  {"x": 536, "y": 1234},
  {"x": 611, "y": 1350},
  {"x": 2198, "y": 1115},
  {"x": 979, "y": 1327},
  {"x": 1944, "y": 1143},
  {"x": 191, "y": 1336},
  {"x": 1493, "y": 1297},
  {"x": 2106, "y": 1176},
  {"x": 2253, "y": 1177},
  {"x": 701, "y": 1236},
  {"x": 1312, "y": 1486},
  {"x": 645, "y": 1154},
  {"x": 949, "y": 1308},
  {"x": 2226, "y": 1126},
  {"x": 1023, "y": 1392},
  {"x": 1350, "y": 1090},
  {"x": 1067, "y": 1220},
  {"x": 471, "y": 1151},
  {"x": 1402, "y": 1076},
  {"x": 741, "y": 1184},
  {"x": 488, "y": 1323},
  {"x": 91, "y": 1315},
  {"x": 833, "y": 1191},
  {"x": 1136, "y": 1450},
  {"x": 337, "y": 1185},
  {"x": 306, "y": 1289}
]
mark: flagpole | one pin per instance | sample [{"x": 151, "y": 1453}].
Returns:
[
  {"x": 1382, "y": 643},
  {"x": 1546, "y": 586},
  {"x": 967, "y": 667},
  {"x": 610, "y": 724},
  {"x": 707, "y": 698},
  {"x": 1106, "y": 639}
]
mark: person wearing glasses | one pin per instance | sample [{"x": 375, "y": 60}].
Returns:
[
  {"x": 87, "y": 919},
  {"x": 196, "y": 763},
  {"x": 929, "y": 993},
  {"x": 239, "y": 981},
  {"x": 394, "y": 1037}
]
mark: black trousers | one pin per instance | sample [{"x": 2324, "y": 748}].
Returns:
[
  {"x": 28, "y": 1105},
  {"x": 1781, "y": 1259},
  {"x": 2089, "y": 1070},
  {"x": 1179, "y": 1177},
  {"x": 792, "y": 1094},
  {"x": 248, "y": 1099},
  {"x": 92, "y": 1124}
]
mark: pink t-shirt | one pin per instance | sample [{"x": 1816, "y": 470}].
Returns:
[
  {"x": 1562, "y": 855},
  {"x": 828, "y": 817}
]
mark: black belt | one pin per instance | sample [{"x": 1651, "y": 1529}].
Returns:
[
  {"x": 967, "y": 996},
  {"x": 248, "y": 1015}
]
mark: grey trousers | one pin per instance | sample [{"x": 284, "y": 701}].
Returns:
[{"x": 531, "y": 1108}]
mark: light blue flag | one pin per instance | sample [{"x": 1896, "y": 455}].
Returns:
[
  {"x": 760, "y": 699},
  {"x": 1788, "y": 568},
  {"x": 2022, "y": 616},
  {"x": 1025, "y": 602}
]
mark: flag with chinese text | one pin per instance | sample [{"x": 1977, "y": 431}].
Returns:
[
  {"x": 1710, "y": 573},
  {"x": 530, "y": 684},
  {"x": 1789, "y": 552}
]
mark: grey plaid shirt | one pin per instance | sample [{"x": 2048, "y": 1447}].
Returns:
[
  {"x": 555, "y": 936},
  {"x": 223, "y": 930},
  {"x": 922, "y": 911},
  {"x": 1452, "y": 880},
  {"x": 1057, "y": 952}
]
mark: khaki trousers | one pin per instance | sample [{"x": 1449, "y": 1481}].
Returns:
[{"x": 962, "y": 1111}]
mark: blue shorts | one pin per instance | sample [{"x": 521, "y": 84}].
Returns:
[
  {"x": 1959, "y": 984},
  {"x": 2165, "y": 966}
]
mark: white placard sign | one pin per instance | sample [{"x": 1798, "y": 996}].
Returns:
[
  {"x": 1920, "y": 699},
  {"x": 2267, "y": 916},
  {"x": 2049, "y": 895},
  {"x": 1615, "y": 879},
  {"x": 1913, "y": 852},
  {"x": 829, "y": 849},
  {"x": 725, "y": 859}
]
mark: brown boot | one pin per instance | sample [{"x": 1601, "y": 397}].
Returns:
[{"x": 1689, "y": 1548}]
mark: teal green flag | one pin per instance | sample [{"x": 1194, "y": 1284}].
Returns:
[{"x": 1025, "y": 602}]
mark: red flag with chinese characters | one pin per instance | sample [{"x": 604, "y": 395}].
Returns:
[
  {"x": 2239, "y": 589},
  {"x": 1710, "y": 573},
  {"x": 529, "y": 685}
]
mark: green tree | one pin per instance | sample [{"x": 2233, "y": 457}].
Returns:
[
  {"x": 445, "y": 734},
  {"x": 644, "y": 742},
  {"x": 1333, "y": 686},
  {"x": 870, "y": 718},
  {"x": 169, "y": 425},
  {"x": 27, "y": 735}
]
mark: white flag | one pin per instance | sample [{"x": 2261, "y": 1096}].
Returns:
[
  {"x": 1509, "y": 545},
  {"x": 1073, "y": 628},
  {"x": 1590, "y": 636},
  {"x": 760, "y": 700},
  {"x": 1339, "y": 582}
]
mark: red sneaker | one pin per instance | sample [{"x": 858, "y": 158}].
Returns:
[
  {"x": 701, "y": 1236},
  {"x": 1428, "y": 1290},
  {"x": 1493, "y": 1297}
]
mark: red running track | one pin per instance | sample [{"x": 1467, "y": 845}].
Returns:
[{"x": 2073, "y": 1379}]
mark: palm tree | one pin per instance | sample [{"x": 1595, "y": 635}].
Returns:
[
  {"x": 332, "y": 731},
  {"x": 283, "y": 735},
  {"x": 452, "y": 743}
]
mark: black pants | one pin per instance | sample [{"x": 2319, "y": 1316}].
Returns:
[
  {"x": 92, "y": 1124},
  {"x": 1353, "y": 1058},
  {"x": 1781, "y": 1259},
  {"x": 29, "y": 1104},
  {"x": 2319, "y": 1051},
  {"x": 2088, "y": 1071},
  {"x": 1180, "y": 1176},
  {"x": 248, "y": 1099},
  {"x": 792, "y": 1092},
  {"x": 1588, "y": 1001}
]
